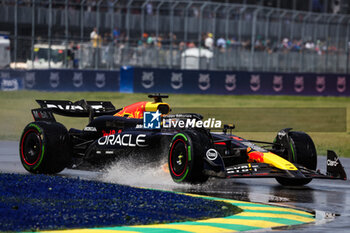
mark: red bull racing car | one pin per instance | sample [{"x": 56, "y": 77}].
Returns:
[{"x": 194, "y": 153}]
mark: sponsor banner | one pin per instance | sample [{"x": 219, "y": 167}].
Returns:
[
  {"x": 67, "y": 80},
  {"x": 10, "y": 82},
  {"x": 239, "y": 83}
]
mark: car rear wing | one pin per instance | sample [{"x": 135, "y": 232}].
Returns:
[{"x": 81, "y": 108}]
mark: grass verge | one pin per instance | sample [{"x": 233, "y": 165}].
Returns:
[{"x": 16, "y": 106}]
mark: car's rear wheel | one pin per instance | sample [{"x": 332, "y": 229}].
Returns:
[
  {"x": 303, "y": 153},
  {"x": 44, "y": 147},
  {"x": 185, "y": 159}
]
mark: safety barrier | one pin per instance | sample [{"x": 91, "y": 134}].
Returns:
[
  {"x": 140, "y": 80},
  {"x": 235, "y": 82},
  {"x": 60, "y": 80}
]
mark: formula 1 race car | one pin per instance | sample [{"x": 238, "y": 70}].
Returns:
[{"x": 146, "y": 128}]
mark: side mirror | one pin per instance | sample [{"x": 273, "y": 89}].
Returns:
[{"x": 228, "y": 127}]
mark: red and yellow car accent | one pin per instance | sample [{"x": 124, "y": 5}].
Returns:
[
  {"x": 136, "y": 110},
  {"x": 269, "y": 158}
]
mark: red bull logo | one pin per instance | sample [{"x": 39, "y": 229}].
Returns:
[
  {"x": 133, "y": 111},
  {"x": 255, "y": 157}
]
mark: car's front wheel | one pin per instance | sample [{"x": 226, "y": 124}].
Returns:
[
  {"x": 185, "y": 158},
  {"x": 303, "y": 152}
]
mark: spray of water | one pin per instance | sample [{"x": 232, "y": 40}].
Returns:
[{"x": 135, "y": 171}]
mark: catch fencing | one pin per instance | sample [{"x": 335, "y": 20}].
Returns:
[{"x": 157, "y": 34}]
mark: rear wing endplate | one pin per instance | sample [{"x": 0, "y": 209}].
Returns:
[
  {"x": 334, "y": 167},
  {"x": 41, "y": 114}
]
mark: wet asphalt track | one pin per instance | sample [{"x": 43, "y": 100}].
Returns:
[{"x": 327, "y": 197}]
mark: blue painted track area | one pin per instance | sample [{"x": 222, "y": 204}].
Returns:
[{"x": 40, "y": 202}]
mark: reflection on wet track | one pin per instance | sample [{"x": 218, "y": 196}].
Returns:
[{"x": 326, "y": 197}]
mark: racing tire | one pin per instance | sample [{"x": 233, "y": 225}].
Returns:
[
  {"x": 304, "y": 154},
  {"x": 185, "y": 158},
  {"x": 44, "y": 147}
]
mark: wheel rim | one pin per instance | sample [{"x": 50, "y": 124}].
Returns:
[
  {"x": 178, "y": 157},
  {"x": 31, "y": 147}
]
